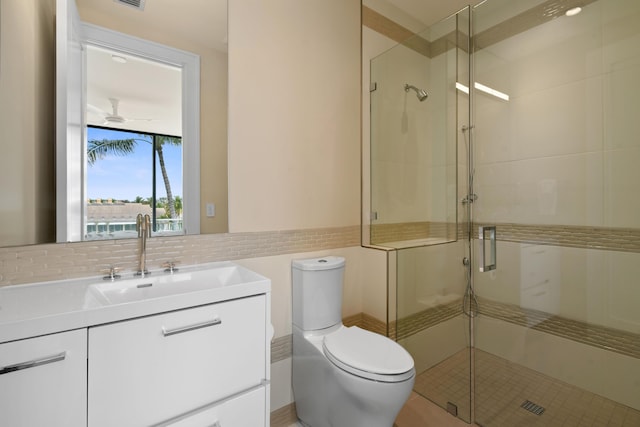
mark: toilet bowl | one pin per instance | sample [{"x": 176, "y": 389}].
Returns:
[{"x": 342, "y": 376}]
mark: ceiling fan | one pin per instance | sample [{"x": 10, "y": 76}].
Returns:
[{"x": 114, "y": 118}]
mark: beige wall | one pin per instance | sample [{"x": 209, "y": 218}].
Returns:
[
  {"x": 294, "y": 164},
  {"x": 213, "y": 107},
  {"x": 27, "y": 211},
  {"x": 562, "y": 150},
  {"x": 294, "y": 114}
]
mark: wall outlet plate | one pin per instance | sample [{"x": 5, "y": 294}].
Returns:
[{"x": 211, "y": 210}]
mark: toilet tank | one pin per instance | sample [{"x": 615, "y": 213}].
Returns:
[{"x": 317, "y": 292}]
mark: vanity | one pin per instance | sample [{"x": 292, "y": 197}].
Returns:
[{"x": 188, "y": 348}]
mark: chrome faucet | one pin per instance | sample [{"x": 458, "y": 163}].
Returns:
[{"x": 143, "y": 227}]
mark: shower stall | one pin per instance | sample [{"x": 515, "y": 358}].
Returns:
[{"x": 503, "y": 171}]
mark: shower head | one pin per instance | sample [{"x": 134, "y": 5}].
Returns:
[{"x": 420, "y": 93}]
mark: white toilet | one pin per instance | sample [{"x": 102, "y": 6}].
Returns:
[{"x": 342, "y": 376}]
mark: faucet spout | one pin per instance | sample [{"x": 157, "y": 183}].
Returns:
[{"x": 143, "y": 227}]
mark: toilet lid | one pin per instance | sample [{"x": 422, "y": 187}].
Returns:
[{"x": 368, "y": 355}]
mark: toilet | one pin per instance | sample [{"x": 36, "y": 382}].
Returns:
[{"x": 342, "y": 376}]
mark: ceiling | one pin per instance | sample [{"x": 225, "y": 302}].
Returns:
[
  {"x": 148, "y": 93},
  {"x": 154, "y": 102},
  {"x": 427, "y": 11}
]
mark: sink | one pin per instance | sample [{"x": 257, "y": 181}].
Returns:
[{"x": 160, "y": 284}]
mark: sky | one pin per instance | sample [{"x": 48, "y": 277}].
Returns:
[{"x": 126, "y": 177}]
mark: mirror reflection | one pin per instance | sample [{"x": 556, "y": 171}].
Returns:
[{"x": 27, "y": 103}]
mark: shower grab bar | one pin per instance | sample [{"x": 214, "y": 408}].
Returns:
[{"x": 487, "y": 235}]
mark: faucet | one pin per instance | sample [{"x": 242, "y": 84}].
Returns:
[{"x": 143, "y": 227}]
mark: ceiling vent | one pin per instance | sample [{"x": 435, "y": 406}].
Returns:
[{"x": 138, "y": 4}]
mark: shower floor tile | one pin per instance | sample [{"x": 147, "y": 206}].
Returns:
[
  {"x": 420, "y": 412},
  {"x": 502, "y": 387}
]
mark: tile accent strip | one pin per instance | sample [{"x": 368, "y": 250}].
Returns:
[
  {"x": 602, "y": 337},
  {"x": 424, "y": 319},
  {"x": 396, "y": 32},
  {"x": 615, "y": 340},
  {"x": 402, "y": 231},
  {"x": 604, "y": 238},
  {"x": 56, "y": 261},
  {"x": 528, "y": 19},
  {"x": 385, "y": 26},
  {"x": 281, "y": 348},
  {"x": 368, "y": 322}
]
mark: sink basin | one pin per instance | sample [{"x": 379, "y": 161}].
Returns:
[{"x": 160, "y": 284}]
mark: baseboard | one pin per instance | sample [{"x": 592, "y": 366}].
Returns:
[{"x": 285, "y": 416}]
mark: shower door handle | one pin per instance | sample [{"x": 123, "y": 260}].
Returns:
[{"x": 487, "y": 245}]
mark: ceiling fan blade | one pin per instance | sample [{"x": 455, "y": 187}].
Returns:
[
  {"x": 96, "y": 110},
  {"x": 142, "y": 120}
]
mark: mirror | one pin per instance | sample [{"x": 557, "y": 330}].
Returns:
[{"x": 27, "y": 102}]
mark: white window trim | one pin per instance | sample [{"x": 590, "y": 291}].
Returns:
[{"x": 190, "y": 65}]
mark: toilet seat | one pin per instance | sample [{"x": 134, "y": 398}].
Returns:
[{"x": 368, "y": 355}]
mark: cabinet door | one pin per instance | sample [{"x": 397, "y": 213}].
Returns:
[
  {"x": 145, "y": 371},
  {"x": 246, "y": 410},
  {"x": 43, "y": 381}
]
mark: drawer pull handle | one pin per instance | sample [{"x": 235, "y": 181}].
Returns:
[
  {"x": 33, "y": 363},
  {"x": 168, "y": 332}
]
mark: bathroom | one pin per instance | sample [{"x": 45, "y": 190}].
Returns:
[{"x": 294, "y": 176}]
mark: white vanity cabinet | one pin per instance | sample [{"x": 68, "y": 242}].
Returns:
[
  {"x": 202, "y": 366},
  {"x": 43, "y": 381}
]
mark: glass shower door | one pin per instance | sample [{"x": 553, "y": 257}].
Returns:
[
  {"x": 417, "y": 178},
  {"x": 556, "y": 153}
]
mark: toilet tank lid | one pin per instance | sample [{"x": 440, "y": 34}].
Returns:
[{"x": 323, "y": 263}]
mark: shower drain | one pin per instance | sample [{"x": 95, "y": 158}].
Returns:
[{"x": 532, "y": 407}]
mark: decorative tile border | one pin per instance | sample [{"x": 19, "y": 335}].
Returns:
[
  {"x": 385, "y": 26},
  {"x": 58, "y": 261},
  {"x": 610, "y": 339},
  {"x": 281, "y": 348},
  {"x": 396, "y": 32},
  {"x": 365, "y": 321},
  {"x": 402, "y": 231},
  {"x": 615, "y": 340},
  {"x": 410, "y": 325},
  {"x": 526, "y": 20},
  {"x": 537, "y": 15},
  {"x": 588, "y": 237},
  {"x": 604, "y": 238}
]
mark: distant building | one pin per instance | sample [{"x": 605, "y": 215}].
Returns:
[{"x": 107, "y": 219}]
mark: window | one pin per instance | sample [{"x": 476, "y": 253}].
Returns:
[{"x": 131, "y": 173}]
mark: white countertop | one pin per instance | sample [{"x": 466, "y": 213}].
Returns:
[{"x": 47, "y": 307}]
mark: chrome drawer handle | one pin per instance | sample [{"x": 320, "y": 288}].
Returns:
[
  {"x": 168, "y": 332},
  {"x": 33, "y": 363}
]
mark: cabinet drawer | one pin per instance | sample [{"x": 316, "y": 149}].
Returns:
[
  {"x": 43, "y": 381},
  {"x": 151, "y": 369},
  {"x": 245, "y": 410}
]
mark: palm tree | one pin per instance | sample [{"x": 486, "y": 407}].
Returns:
[
  {"x": 99, "y": 149},
  {"x": 160, "y": 141}
]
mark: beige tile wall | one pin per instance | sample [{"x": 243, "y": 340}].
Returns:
[{"x": 25, "y": 264}]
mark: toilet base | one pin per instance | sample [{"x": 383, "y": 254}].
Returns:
[{"x": 327, "y": 396}]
